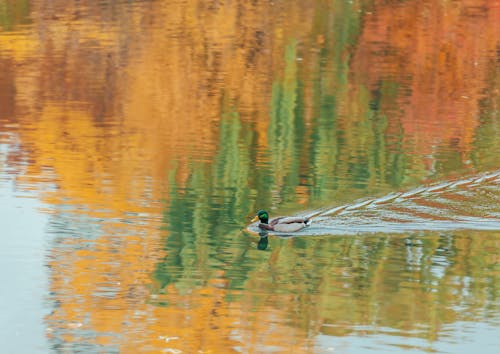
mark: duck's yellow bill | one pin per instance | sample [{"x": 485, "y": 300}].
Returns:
[{"x": 255, "y": 218}]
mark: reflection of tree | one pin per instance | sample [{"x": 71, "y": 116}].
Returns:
[
  {"x": 210, "y": 211},
  {"x": 14, "y": 12},
  {"x": 338, "y": 135},
  {"x": 378, "y": 280},
  {"x": 486, "y": 141},
  {"x": 360, "y": 101},
  {"x": 343, "y": 119},
  {"x": 284, "y": 129}
]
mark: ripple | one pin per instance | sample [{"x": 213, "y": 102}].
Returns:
[{"x": 471, "y": 203}]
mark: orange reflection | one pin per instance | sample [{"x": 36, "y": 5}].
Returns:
[
  {"x": 106, "y": 100},
  {"x": 443, "y": 52}
]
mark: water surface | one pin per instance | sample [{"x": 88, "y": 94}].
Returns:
[{"x": 138, "y": 138}]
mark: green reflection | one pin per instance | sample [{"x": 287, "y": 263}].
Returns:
[
  {"x": 486, "y": 141},
  {"x": 337, "y": 153},
  {"x": 338, "y": 139},
  {"x": 207, "y": 215},
  {"x": 13, "y": 13},
  {"x": 284, "y": 128}
]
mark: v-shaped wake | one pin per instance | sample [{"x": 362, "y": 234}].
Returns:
[{"x": 470, "y": 203}]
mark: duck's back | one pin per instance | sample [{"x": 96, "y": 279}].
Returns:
[
  {"x": 289, "y": 227},
  {"x": 289, "y": 224}
]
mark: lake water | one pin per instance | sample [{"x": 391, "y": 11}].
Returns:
[{"x": 139, "y": 138}]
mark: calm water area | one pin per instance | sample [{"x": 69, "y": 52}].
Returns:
[{"x": 139, "y": 138}]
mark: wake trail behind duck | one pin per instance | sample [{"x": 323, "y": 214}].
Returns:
[{"x": 469, "y": 203}]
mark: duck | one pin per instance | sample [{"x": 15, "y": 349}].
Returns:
[{"x": 281, "y": 224}]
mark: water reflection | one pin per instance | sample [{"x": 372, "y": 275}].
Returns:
[
  {"x": 263, "y": 240},
  {"x": 150, "y": 131},
  {"x": 468, "y": 203}
]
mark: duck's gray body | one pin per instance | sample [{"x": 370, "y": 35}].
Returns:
[{"x": 285, "y": 224}]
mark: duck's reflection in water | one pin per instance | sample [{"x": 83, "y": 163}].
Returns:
[{"x": 263, "y": 242}]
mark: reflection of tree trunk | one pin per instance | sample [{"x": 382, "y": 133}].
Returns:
[{"x": 7, "y": 92}]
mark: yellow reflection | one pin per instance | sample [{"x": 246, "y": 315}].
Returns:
[{"x": 108, "y": 100}]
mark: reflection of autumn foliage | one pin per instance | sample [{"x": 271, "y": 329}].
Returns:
[
  {"x": 102, "y": 109},
  {"x": 157, "y": 92},
  {"x": 275, "y": 99},
  {"x": 107, "y": 301},
  {"x": 441, "y": 55}
]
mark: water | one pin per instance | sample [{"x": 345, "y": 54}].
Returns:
[
  {"x": 469, "y": 203},
  {"x": 138, "y": 138}
]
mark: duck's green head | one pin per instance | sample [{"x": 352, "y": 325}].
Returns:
[{"x": 263, "y": 216}]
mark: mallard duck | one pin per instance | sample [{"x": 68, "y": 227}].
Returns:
[{"x": 281, "y": 224}]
